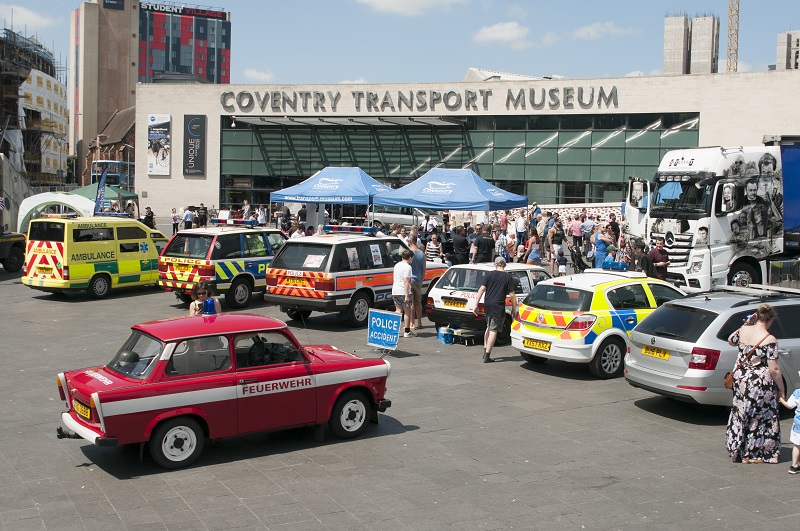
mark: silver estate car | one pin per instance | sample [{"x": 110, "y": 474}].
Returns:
[{"x": 681, "y": 350}]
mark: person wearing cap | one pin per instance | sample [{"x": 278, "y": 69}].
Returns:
[
  {"x": 496, "y": 286},
  {"x": 612, "y": 254},
  {"x": 149, "y": 218}
]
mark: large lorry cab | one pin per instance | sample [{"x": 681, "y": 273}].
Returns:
[{"x": 720, "y": 211}]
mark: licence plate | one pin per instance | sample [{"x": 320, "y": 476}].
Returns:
[
  {"x": 659, "y": 353},
  {"x": 82, "y": 410},
  {"x": 182, "y": 268},
  {"x": 44, "y": 270},
  {"x": 538, "y": 345},
  {"x": 456, "y": 304},
  {"x": 294, "y": 282}
]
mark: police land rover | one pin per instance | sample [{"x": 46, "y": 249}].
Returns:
[{"x": 348, "y": 272}]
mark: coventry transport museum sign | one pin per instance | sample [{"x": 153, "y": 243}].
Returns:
[{"x": 385, "y": 102}]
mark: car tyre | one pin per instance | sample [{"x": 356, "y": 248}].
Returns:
[
  {"x": 14, "y": 260},
  {"x": 184, "y": 298},
  {"x": 350, "y": 415},
  {"x": 99, "y": 287},
  {"x": 239, "y": 294},
  {"x": 743, "y": 274},
  {"x": 532, "y": 359},
  {"x": 608, "y": 361},
  {"x": 177, "y": 442},
  {"x": 298, "y": 315},
  {"x": 358, "y": 312}
]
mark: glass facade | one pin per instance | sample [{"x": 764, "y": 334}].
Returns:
[{"x": 551, "y": 159}]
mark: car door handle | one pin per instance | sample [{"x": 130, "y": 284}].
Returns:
[
  {"x": 784, "y": 351},
  {"x": 248, "y": 381},
  {"x": 630, "y": 320}
]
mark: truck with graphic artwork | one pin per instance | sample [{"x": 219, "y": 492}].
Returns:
[{"x": 724, "y": 213}]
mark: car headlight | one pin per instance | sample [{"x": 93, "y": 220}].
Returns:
[{"x": 695, "y": 267}]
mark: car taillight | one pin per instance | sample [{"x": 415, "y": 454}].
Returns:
[
  {"x": 582, "y": 322},
  {"x": 480, "y": 312},
  {"x": 325, "y": 284},
  {"x": 65, "y": 272},
  {"x": 61, "y": 392},
  {"x": 272, "y": 280},
  {"x": 704, "y": 359},
  {"x": 206, "y": 272},
  {"x": 162, "y": 267}
]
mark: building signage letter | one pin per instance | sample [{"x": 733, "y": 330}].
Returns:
[
  {"x": 223, "y": 100},
  {"x": 585, "y": 104},
  {"x": 245, "y": 101},
  {"x": 519, "y": 101},
  {"x": 610, "y": 98}
]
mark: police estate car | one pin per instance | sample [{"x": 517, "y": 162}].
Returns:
[
  {"x": 233, "y": 256},
  {"x": 176, "y": 382},
  {"x": 453, "y": 298},
  {"x": 587, "y": 318},
  {"x": 347, "y": 273}
]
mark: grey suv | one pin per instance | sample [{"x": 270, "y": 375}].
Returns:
[{"x": 681, "y": 350}]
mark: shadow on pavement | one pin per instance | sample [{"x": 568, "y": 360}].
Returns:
[
  {"x": 561, "y": 369},
  {"x": 697, "y": 414}
]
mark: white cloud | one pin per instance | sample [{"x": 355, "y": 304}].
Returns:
[
  {"x": 409, "y": 8},
  {"x": 263, "y": 76},
  {"x": 599, "y": 30},
  {"x": 549, "y": 39},
  {"x": 358, "y": 81},
  {"x": 22, "y": 17},
  {"x": 509, "y": 33}
]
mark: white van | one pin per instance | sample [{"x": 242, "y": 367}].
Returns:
[{"x": 408, "y": 216}]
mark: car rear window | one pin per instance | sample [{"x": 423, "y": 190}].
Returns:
[
  {"x": 46, "y": 231},
  {"x": 676, "y": 321},
  {"x": 462, "y": 279},
  {"x": 302, "y": 257},
  {"x": 559, "y": 298},
  {"x": 189, "y": 246}
]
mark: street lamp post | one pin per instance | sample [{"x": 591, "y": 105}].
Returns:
[{"x": 97, "y": 158}]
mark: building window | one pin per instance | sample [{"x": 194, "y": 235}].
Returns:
[
  {"x": 199, "y": 57},
  {"x": 200, "y": 70}
]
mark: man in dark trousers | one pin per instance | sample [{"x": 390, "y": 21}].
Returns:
[
  {"x": 202, "y": 215},
  {"x": 660, "y": 258},
  {"x": 484, "y": 246},
  {"x": 642, "y": 262},
  {"x": 496, "y": 285},
  {"x": 460, "y": 247}
]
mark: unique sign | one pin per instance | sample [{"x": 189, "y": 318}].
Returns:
[
  {"x": 194, "y": 145},
  {"x": 384, "y": 329}
]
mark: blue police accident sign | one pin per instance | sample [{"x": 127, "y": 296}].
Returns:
[{"x": 384, "y": 329}]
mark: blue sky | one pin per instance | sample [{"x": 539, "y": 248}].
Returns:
[{"x": 381, "y": 41}]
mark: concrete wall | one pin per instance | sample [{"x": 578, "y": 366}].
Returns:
[
  {"x": 676, "y": 45},
  {"x": 14, "y": 189}
]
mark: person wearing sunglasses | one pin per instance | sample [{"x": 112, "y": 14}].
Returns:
[{"x": 200, "y": 293}]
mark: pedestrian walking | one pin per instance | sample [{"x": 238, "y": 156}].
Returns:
[
  {"x": 401, "y": 290},
  {"x": 202, "y": 215},
  {"x": 188, "y": 218},
  {"x": 496, "y": 286},
  {"x": 176, "y": 221},
  {"x": 417, "y": 276}
]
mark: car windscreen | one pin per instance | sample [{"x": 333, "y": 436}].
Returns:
[
  {"x": 137, "y": 356},
  {"x": 677, "y": 321},
  {"x": 189, "y": 246},
  {"x": 302, "y": 256},
  {"x": 559, "y": 298},
  {"x": 462, "y": 279},
  {"x": 47, "y": 231}
]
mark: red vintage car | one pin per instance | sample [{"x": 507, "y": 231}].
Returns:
[{"x": 176, "y": 382}]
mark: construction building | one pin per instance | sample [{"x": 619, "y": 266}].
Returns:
[{"x": 691, "y": 46}]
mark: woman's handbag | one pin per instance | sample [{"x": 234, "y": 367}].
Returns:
[{"x": 729, "y": 375}]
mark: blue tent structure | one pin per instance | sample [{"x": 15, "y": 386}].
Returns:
[
  {"x": 452, "y": 189},
  {"x": 346, "y": 186}
]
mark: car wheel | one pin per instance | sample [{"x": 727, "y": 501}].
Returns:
[
  {"x": 504, "y": 335},
  {"x": 358, "y": 312},
  {"x": 99, "y": 287},
  {"x": 177, "y": 442},
  {"x": 350, "y": 415},
  {"x": 239, "y": 294},
  {"x": 743, "y": 274},
  {"x": 608, "y": 360},
  {"x": 298, "y": 315},
  {"x": 14, "y": 260},
  {"x": 377, "y": 224},
  {"x": 184, "y": 298},
  {"x": 533, "y": 360}
]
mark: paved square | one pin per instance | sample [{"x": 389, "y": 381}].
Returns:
[{"x": 464, "y": 446}]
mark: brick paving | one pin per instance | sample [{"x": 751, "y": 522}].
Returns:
[{"x": 464, "y": 446}]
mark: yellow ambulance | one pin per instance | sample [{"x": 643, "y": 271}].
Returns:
[{"x": 67, "y": 253}]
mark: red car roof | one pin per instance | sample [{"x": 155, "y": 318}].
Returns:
[{"x": 184, "y": 327}]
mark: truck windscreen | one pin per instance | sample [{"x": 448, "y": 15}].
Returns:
[{"x": 677, "y": 194}]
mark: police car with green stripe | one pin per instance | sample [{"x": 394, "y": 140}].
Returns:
[{"x": 233, "y": 256}]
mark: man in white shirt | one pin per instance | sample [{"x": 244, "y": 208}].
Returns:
[{"x": 521, "y": 227}]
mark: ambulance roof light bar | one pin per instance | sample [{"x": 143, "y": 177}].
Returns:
[
  {"x": 350, "y": 228},
  {"x": 59, "y": 216},
  {"x": 112, "y": 214},
  {"x": 246, "y": 222}
]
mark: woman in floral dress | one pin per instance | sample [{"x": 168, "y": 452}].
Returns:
[{"x": 754, "y": 430}]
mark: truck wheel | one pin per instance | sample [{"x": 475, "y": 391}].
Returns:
[
  {"x": 358, "y": 312},
  {"x": 298, "y": 315},
  {"x": 177, "y": 442},
  {"x": 184, "y": 298},
  {"x": 533, "y": 360},
  {"x": 99, "y": 287},
  {"x": 743, "y": 274},
  {"x": 608, "y": 360},
  {"x": 14, "y": 260},
  {"x": 350, "y": 415},
  {"x": 239, "y": 294}
]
